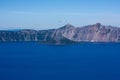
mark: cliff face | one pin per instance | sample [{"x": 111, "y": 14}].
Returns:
[
  {"x": 93, "y": 33},
  {"x": 65, "y": 34}
]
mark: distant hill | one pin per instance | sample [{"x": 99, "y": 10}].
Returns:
[{"x": 64, "y": 35}]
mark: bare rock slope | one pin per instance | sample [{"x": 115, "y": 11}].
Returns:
[{"x": 66, "y": 34}]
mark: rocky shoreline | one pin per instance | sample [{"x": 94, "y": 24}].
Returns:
[{"x": 64, "y": 35}]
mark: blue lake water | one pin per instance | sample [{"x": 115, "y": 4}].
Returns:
[{"x": 34, "y": 61}]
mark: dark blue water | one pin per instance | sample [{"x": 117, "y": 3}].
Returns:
[{"x": 34, "y": 61}]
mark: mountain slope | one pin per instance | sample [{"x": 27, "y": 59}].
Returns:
[{"x": 66, "y": 34}]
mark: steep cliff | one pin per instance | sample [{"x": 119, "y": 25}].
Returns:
[{"x": 66, "y": 34}]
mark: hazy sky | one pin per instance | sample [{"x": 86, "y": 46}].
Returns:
[{"x": 45, "y": 14}]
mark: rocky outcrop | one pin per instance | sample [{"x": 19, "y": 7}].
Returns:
[
  {"x": 91, "y": 33},
  {"x": 65, "y": 34}
]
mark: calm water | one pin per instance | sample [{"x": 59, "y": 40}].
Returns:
[{"x": 85, "y": 61}]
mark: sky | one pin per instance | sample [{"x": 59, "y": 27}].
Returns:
[{"x": 47, "y": 14}]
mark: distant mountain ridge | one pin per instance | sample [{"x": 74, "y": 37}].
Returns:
[{"x": 64, "y": 35}]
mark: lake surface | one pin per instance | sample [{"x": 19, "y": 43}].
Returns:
[{"x": 34, "y": 61}]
